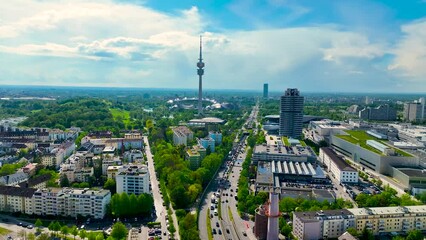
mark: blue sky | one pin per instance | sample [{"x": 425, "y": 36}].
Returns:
[{"x": 327, "y": 46}]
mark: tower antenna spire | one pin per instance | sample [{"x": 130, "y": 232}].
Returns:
[{"x": 201, "y": 48}]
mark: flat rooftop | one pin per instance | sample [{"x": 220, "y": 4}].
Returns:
[
  {"x": 340, "y": 162},
  {"x": 316, "y": 215},
  {"x": 360, "y": 137},
  {"x": 388, "y": 210},
  {"x": 283, "y": 150}
]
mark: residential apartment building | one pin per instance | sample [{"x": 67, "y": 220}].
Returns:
[
  {"x": 337, "y": 166},
  {"x": 16, "y": 199},
  {"x": 380, "y": 113},
  {"x": 217, "y": 136},
  {"x": 380, "y": 220},
  {"x": 390, "y": 219},
  {"x": 291, "y": 113},
  {"x": 132, "y": 179},
  {"x": 207, "y": 143},
  {"x": 71, "y": 202},
  {"x": 109, "y": 162},
  {"x": 322, "y": 224},
  {"x": 195, "y": 155},
  {"x": 414, "y": 111},
  {"x": 181, "y": 135}
]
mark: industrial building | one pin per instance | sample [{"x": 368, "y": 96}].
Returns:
[
  {"x": 370, "y": 152},
  {"x": 281, "y": 152}
]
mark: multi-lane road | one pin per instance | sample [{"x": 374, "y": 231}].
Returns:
[
  {"x": 229, "y": 225},
  {"x": 160, "y": 210}
]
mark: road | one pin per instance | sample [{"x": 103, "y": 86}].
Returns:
[
  {"x": 227, "y": 176},
  {"x": 161, "y": 211}
]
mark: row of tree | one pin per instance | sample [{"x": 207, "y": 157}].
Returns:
[
  {"x": 388, "y": 197},
  {"x": 123, "y": 205}
]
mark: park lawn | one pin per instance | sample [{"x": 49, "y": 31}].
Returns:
[
  {"x": 122, "y": 115},
  {"x": 4, "y": 231}
]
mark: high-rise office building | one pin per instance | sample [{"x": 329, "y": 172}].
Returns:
[
  {"x": 291, "y": 113},
  {"x": 265, "y": 90}
]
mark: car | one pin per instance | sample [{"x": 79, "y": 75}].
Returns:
[
  {"x": 24, "y": 225},
  {"x": 244, "y": 234},
  {"x": 214, "y": 231},
  {"x": 217, "y": 224},
  {"x": 20, "y": 224},
  {"x": 227, "y": 231},
  {"x": 30, "y": 226},
  {"x": 82, "y": 226},
  {"x": 220, "y": 232}
]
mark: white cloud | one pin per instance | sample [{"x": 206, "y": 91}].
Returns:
[
  {"x": 410, "y": 52},
  {"x": 109, "y": 44}
]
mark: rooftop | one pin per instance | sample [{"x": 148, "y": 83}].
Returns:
[
  {"x": 413, "y": 172},
  {"x": 340, "y": 162},
  {"x": 316, "y": 215},
  {"x": 388, "y": 210},
  {"x": 284, "y": 150},
  {"x": 17, "y": 191},
  {"x": 360, "y": 138}
]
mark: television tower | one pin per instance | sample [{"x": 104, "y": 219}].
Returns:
[{"x": 200, "y": 72}]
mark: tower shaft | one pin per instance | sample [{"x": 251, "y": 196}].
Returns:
[{"x": 200, "y": 72}]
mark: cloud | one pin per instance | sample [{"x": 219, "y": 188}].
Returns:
[
  {"x": 105, "y": 43},
  {"x": 410, "y": 52}
]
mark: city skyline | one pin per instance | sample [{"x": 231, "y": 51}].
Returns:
[{"x": 317, "y": 47}]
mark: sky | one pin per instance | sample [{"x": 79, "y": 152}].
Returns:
[{"x": 313, "y": 45}]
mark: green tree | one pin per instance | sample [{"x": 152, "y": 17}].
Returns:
[
  {"x": 100, "y": 236},
  {"x": 366, "y": 235},
  {"x": 110, "y": 185},
  {"x": 82, "y": 234},
  {"x": 119, "y": 231},
  {"x": 64, "y": 230},
  {"x": 38, "y": 224},
  {"x": 415, "y": 235},
  {"x": 352, "y": 231},
  {"x": 74, "y": 231}
]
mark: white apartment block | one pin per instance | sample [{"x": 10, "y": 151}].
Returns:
[
  {"x": 109, "y": 162},
  {"x": 71, "y": 202},
  {"x": 322, "y": 224},
  {"x": 390, "y": 219},
  {"x": 16, "y": 199},
  {"x": 380, "y": 220},
  {"x": 337, "y": 166},
  {"x": 181, "y": 135},
  {"x": 132, "y": 179}
]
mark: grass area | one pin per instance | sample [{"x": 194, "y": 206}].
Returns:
[
  {"x": 360, "y": 138},
  {"x": 4, "y": 231},
  {"x": 209, "y": 225},
  {"x": 285, "y": 141},
  {"x": 121, "y": 115},
  {"x": 230, "y": 214},
  {"x": 302, "y": 143}
]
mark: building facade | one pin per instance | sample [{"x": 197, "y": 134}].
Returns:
[
  {"x": 181, "y": 135},
  {"x": 414, "y": 111},
  {"x": 265, "y": 91},
  {"x": 338, "y": 167},
  {"x": 16, "y": 199},
  {"x": 380, "y": 113},
  {"x": 322, "y": 224},
  {"x": 291, "y": 113},
  {"x": 71, "y": 202},
  {"x": 132, "y": 179},
  {"x": 390, "y": 219}
]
